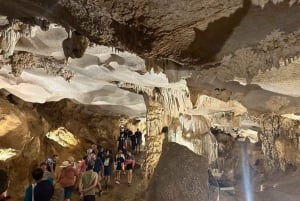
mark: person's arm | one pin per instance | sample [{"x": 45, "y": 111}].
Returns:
[
  {"x": 118, "y": 142},
  {"x": 80, "y": 187},
  {"x": 76, "y": 175},
  {"x": 60, "y": 176},
  {"x": 123, "y": 164},
  {"x": 52, "y": 170},
  {"x": 115, "y": 163}
]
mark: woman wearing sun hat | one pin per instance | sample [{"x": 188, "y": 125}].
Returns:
[{"x": 68, "y": 177}]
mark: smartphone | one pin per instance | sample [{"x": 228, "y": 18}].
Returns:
[{"x": 49, "y": 160}]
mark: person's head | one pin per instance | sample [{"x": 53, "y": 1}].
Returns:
[
  {"x": 107, "y": 152},
  {"x": 89, "y": 151},
  {"x": 94, "y": 147},
  {"x": 37, "y": 174},
  {"x": 43, "y": 166},
  {"x": 55, "y": 158},
  {"x": 90, "y": 165},
  {"x": 4, "y": 180},
  {"x": 137, "y": 129},
  {"x": 71, "y": 160},
  {"x": 93, "y": 156}
]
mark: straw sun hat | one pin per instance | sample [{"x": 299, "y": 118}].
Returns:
[{"x": 65, "y": 164}]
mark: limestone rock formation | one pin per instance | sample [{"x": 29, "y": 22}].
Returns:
[
  {"x": 208, "y": 75},
  {"x": 154, "y": 27},
  {"x": 75, "y": 46},
  {"x": 179, "y": 175},
  {"x": 24, "y": 129}
]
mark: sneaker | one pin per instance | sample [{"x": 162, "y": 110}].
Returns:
[
  {"x": 117, "y": 182},
  {"x": 100, "y": 193},
  {"x": 129, "y": 184}
]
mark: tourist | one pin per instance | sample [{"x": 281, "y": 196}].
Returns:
[
  {"x": 101, "y": 152},
  {"x": 108, "y": 162},
  {"x": 138, "y": 136},
  {"x": 46, "y": 174},
  {"x": 120, "y": 159},
  {"x": 82, "y": 165},
  {"x": 68, "y": 177},
  {"x": 121, "y": 144},
  {"x": 39, "y": 190},
  {"x": 129, "y": 165},
  {"x": 89, "y": 154},
  {"x": 51, "y": 163},
  {"x": 88, "y": 182},
  {"x": 98, "y": 166},
  {"x": 133, "y": 142},
  {"x": 4, "y": 182},
  {"x": 94, "y": 149},
  {"x": 128, "y": 134}
]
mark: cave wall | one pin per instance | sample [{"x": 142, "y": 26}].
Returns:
[
  {"x": 280, "y": 142},
  {"x": 23, "y": 126}
]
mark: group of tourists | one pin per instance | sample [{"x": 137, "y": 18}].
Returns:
[
  {"x": 129, "y": 139},
  {"x": 86, "y": 176}
]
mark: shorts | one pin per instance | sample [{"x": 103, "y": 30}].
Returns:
[
  {"x": 107, "y": 171},
  {"x": 68, "y": 191},
  {"x": 119, "y": 167},
  {"x": 89, "y": 198},
  {"x": 139, "y": 142},
  {"x": 129, "y": 167}
]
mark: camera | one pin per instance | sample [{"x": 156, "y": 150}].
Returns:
[{"x": 49, "y": 160}]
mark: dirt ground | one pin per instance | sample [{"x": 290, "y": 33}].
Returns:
[{"x": 118, "y": 192}]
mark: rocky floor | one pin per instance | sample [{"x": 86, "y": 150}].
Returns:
[{"x": 118, "y": 192}]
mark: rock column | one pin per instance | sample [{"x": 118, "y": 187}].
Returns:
[
  {"x": 154, "y": 136},
  {"x": 270, "y": 131}
]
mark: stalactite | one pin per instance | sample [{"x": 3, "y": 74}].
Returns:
[
  {"x": 25, "y": 60},
  {"x": 273, "y": 51},
  {"x": 262, "y": 3},
  {"x": 193, "y": 132}
]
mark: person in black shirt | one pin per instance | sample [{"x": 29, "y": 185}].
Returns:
[
  {"x": 123, "y": 132},
  {"x": 120, "y": 159},
  {"x": 98, "y": 167},
  {"x": 122, "y": 143},
  {"x": 108, "y": 163},
  {"x": 128, "y": 137},
  {"x": 138, "y": 136},
  {"x": 51, "y": 163},
  {"x": 133, "y": 142}
]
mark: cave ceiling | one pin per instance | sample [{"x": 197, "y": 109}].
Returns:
[{"x": 242, "y": 50}]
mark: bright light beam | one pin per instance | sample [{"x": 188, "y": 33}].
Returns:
[{"x": 246, "y": 173}]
